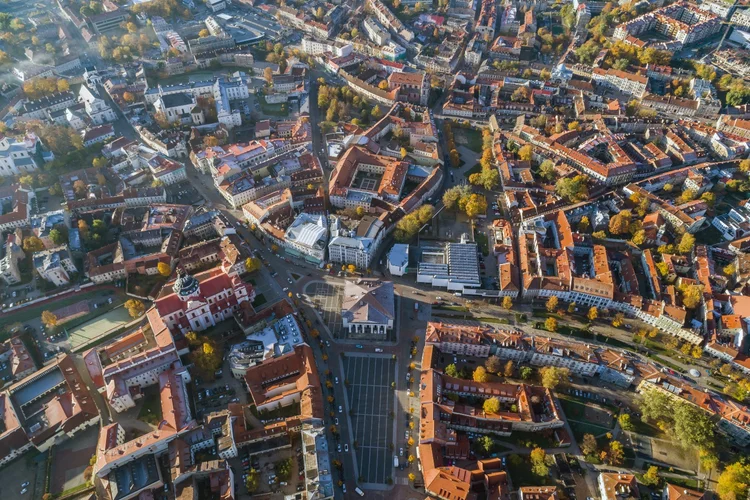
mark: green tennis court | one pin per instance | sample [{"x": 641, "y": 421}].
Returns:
[{"x": 98, "y": 327}]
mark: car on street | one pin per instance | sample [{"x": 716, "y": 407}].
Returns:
[
  {"x": 346, "y": 448},
  {"x": 400, "y": 452},
  {"x": 340, "y": 410},
  {"x": 336, "y": 421},
  {"x": 338, "y": 448}
]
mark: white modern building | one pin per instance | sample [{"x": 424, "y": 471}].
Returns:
[
  {"x": 398, "y": 259},
  {"x": 307, "y": 237}
]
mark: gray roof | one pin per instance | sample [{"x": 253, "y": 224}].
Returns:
[{"x": 368, "y": 301}]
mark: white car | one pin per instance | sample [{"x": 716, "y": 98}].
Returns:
[
  {"x": 340, "y": 410},
  {"x": 23, "y": 491},
  {"x": 346, "y": 448}
]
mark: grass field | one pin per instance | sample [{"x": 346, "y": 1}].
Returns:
[
  {"x": 473, "y": 138},
  {"x": 98, "y": 327},
  {"x": 272, "y": 109}
]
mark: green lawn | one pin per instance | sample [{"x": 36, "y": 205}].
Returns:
[
  {"x": 272, "y": 109},
  {"x": 473, "y": 138},
  {"x": 642, "y": 427},
  {"x": 580, "y": 428},
  {"x": 473, "y": 170},
  {"x": 151, "y": 409},
  {"x": 519, "y": 468},
  {"x": 483, "y": 243},
  {"x": 260, "y": 299}
]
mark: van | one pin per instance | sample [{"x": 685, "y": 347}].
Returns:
[
  {"x": 359, "y": 492},
  {"x": 378, "y": 349}
]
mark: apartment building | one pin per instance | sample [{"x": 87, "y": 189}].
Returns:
[{"x": 355, "y": 246}]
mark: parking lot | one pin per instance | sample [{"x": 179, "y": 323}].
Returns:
[
  {"x": 266, "y": 464},
  {"x": 326, "y": 299},
  {"x": 371, "y": 404}
]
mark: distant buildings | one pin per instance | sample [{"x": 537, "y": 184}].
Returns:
[{"x": 680, "y": 21}]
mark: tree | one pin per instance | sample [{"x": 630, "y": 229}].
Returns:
[
  {"x": 253, "y": 481},
  {"x": 33, "y": 244},
  {"x": 475, "y": 205},
  {"x": 80, "y": 188},
  {"x": 616, "y": 453},
  {"x": 589, "y": 445},
  {"x": 508, "y": 368},
  {"x": 252, "y": 264},
  {"x": 687, "y": 242},
  {"x": 521, "y": 94},
  {"x": 491, "y": 405},
  {"x": 550, "y": 324},
  {"x": 486, "y": 443},
  {"x": 507, "y": 303},
  {"x": 412, "y": 477},
  {"x": 526, "y": 152},
  {"x": 451, "y": 370},
  {"x": 551, "y": 304},
  {"x": 493, "y": 364},
  {"x": 618, "y": 320},
  {"x": 624, "y": 421},
  {"x": 734, "y": 481},
  {"x": 729, "y": 270},
  {"x": 59, "y": 234},
  {"x": 526, "y": 372},
  {"x": 620, "y": 223},
  {"x": 651, "y": 477},
  {"x": 376, "y": 113},
  {"x": 135, "y": 308},
  {"x": 554, "y": 376},
  {"x": 593, "y": 313},
  {"x": 547, "y": 170},
  {"x": 203, "y": 33},
  {"x": 452, "y": 196},
  {"x": 49, "y": 318},
  {"x": 691, "y": 295},
  {"x": 128, "y": 97},
  {"x": 480, "y": 374},
  {"x": 538, "y": 462},
  {"x": 268, "y": 75},
  {"x": 692, "y": 426},
  {"x": 573, "y": 189},
  {"x": 164, "y": 269},
  {"x": 351, "y": 268}
]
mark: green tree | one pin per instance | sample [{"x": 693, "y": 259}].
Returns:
[
  {"x": 651, "y": 477},
  {"x": 547, "y": 171},
  {"x": 252, "y": 264},
  {"x": 59, "y": 234},
  {"x": 624, "y": 421},
  {"x": 451, "y": 370},
  {"x": 486, "y": 443},
  {"x": 687, "y": 242},
  {"x": 526, "y": 372},
  {"x": 538, "y": 459},
  {"x": 253, "y": 481},
  {"x": 574, "y": 189},
  {"x": 554, "y": 376},
  {"x": 734, "y": 481}
]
